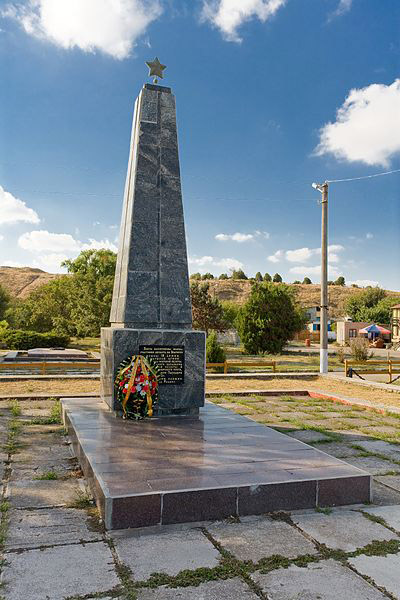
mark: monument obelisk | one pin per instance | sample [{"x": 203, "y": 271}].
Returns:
[{"x": 151, "y": 306}]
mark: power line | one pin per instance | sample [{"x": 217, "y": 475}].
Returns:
[{"x": 364, "y": 177}]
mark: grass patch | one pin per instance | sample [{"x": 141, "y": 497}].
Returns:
[
  {"x": 325, "y": 511},
  {"x": 82, "y": 500},
  {"x": 15, "y": 408},
  {"x": 47, "y": 476},
  {"x": 53, "y": 419}
]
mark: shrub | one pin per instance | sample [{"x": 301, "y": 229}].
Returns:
[
  {"x": 340, "y": 353},
  {"x": 214, "y": 351},
  {"x": 360, "y": 350},
  {"x": 17, "y": 339}
]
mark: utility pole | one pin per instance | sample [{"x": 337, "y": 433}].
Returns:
[{"x": 323, "y": 334}]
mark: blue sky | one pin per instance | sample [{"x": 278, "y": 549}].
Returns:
[{"x": 271, "y": 96}]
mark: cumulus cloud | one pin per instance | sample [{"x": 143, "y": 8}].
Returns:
[
  {"x": 241, "y": 237},
  {"x": 111, "y": 26},
  {"x": 306, "y": 271},
  {"x": 205, "y": 263},
  {"x": 303, "y": 255},
  {"x": 13, "y": 210},
  {"x": 364, "y": 283},
  {"x": 229, "y": 15},
  {"x": 367, "y": 126},
  {"x": 44, "y": 241},
  {"x": 299, "y": 255},
  {"x": 276, "y": 257},
  {"x": 99, "y": 244}
]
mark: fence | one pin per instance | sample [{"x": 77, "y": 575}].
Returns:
[
  {"x": 391, "y": 367},
  {"x": 45, "y": 367},
  {"x": 226, "y": 364}
]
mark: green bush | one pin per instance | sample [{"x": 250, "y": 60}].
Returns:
[
  {"x": 214, "y": 351},
  {"x": 17, "y": 339},
  {"x": 359, "y": 348}
]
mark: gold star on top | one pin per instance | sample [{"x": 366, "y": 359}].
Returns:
[{"x": 156, "y": 69}]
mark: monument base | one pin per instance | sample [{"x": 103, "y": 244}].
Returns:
[
  {"x": 215, "y": 466},
  {"x": 185, "y": 398}
]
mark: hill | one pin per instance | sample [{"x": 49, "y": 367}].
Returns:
[
  {"x": 22, "y": 281},
  {"x": 238, "y": 291}
]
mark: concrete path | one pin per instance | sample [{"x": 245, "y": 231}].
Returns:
[{"x": 55, "y": 547}]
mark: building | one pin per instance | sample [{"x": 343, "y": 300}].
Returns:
[
  {"x": 346, "y": 331},
  {"x": 313, "y": 314},
  {"x": 395, "y": 323}
]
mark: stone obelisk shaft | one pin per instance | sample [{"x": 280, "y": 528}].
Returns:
[{"x": 151, "y": 284}]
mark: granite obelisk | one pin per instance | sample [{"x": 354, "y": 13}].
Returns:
[{"x": 151, "y": 306}]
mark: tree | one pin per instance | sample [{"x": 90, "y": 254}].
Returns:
[
  {"x": 277, "y": 278},
  {"x": 238, "y": 274},
  {"x": 296, "y": 282},
  {"x": 307, "y": 280},
  {"x": 207, "y": 311},
  {"x": 214, "y": 351},
  {"x": 4, "y": 301},
  {"x": 269, "y": 318},
  {"x": 258, "y": 276},
  {"x": 223, "y": 276},
  {"x": 94, "y": 263},
  {"x": 359, "y": 307},
  {"x": 340, "y": 281},
  {"x": 196, "y": 276},
  {"x": 231, "y": 311},
  {"x": 267, "y": 277},
  {"x": 207, "y": 276}
]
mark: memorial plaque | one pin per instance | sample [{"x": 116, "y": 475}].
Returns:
[{"x": 169, "y": 360}]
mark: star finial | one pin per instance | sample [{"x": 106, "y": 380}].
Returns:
[{"x": 156, "y": 69}]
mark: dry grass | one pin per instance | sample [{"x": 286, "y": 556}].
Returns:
[
  {"x": 322, "y": 384},
  {"x": 72, "y": 387}
]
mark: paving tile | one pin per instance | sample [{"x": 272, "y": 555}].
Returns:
[
  {"x": 342, "y": 530},
  {"x": 326, "y": 580},
  {"x": 45, "y": 527},
  {"x": 169, "y": 552},
  {"x": 382, "y": 495},
  {"x": 391, "y": 514},
  {"x": 383, "y": 570},
  {"x": 392, "y": 481},
  {"x": 232, "y": 589},
  {"x": 338, "y": 449},
  {"x": 36, "y": 494},
  {"x": 308, "y": 436},
  {"x": 373, "y": 465},
  {"x": 56, "y": 573},
  {"x": 381, "y": 447},
  {"x": 258, "y": 538}
]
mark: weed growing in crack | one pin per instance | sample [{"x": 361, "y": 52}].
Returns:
[
  {"x": 47, "y": 476},
  {"x": 82, "y": 500},
  {"x": 325, "y": 511},
  {"x": 15, "y": 408}
]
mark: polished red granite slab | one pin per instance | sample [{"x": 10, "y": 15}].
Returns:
[{"x": 182, "y": 469}]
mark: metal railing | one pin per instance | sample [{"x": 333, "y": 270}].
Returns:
[{"x": 359, "y": 368}]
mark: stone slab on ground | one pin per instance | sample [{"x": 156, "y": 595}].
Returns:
[
  {"x": 231, "y": 589},
  {"x": 383, "y": 570},
  {"x": 381, "y": 447},
  {"x": 56, "y": 573},
  {"x": 373, "y": 465},
  {"x": 37, "y": 494},
  {"x": 326, "y": 580},
  {"x": 169, "y": 552},
  {"x": 383, "y": 495},
  {"x": 258, "y": 538},
  {"x": 393, "y": 481},
  {"x": 308, "y": 436},
  {"x": 342, "y": 529},
  {"x": 46, "y": 527},
  {"x": 337, "y": 449},
  {"x": 391, "y": 514}
]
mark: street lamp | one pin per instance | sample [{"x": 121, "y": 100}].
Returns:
[{"x": 323, "y": 334}]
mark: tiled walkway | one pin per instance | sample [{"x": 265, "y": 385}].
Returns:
[{"x": 55, "y": 548}]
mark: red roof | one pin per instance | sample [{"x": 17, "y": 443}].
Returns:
[{"x": 396, "y": 306}]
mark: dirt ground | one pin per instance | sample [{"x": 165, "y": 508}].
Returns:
[{"x": 72, "y": 387}]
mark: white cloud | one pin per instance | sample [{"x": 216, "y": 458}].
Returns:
[
  {"x": 111, "y": 26},
  {"x": 205, "y": 263},
  {"x": 13, "y": 210},
  {"x": 42, "y": 241},
  {"x": 229, "y": 15},
  {"x": 241, "y": 237},
  {"x": 234, "y": 237},
  {"x": 99, "y": 244},
  {"x": 363, "y": 283},
  {"x": 1, "y": 237},
  {"x": 276, "y": 257},
  {"x": 11, "y": 263},
  {"x": 299, "y": 255},
  {"x": 50, "y": 262},
  {"x": 369, "y": 236},
  {"x": 306, "y": 271},
  {"x": 367, "y": 126},
  {"x": 343, "y": 7}
]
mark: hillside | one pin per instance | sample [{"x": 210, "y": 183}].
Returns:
[
  {"x": 20, "y": 282},
  {"x": 308, "y": 295}
]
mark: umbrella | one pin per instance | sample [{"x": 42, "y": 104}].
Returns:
[{"x": 375, "y": 329}]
